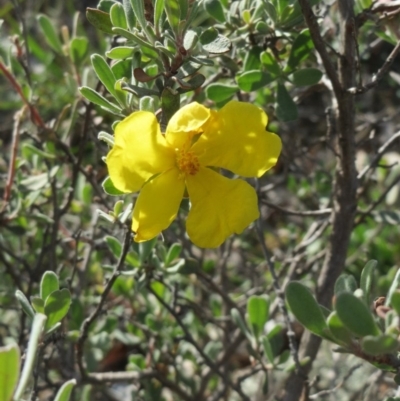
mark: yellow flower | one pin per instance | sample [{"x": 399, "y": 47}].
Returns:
[{"x": 164, "y": 166}]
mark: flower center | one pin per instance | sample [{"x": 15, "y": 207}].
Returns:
[{"x": 187, "y": 162}]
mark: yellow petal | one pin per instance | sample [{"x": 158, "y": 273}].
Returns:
[
  {"x": 185, "y": 123},
  {"x": 139, "y": 152},
  {"x": 220, "y": 207},
  {"x": 157, "y": 204},
  {"x": 235, "y": 139}
]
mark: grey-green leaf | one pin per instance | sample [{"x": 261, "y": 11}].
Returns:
[
  {"x": 219, "y": 45},
  {"x": 257, "y": 313},
  {"x": 306, "y": 76},
  {"x": 378, "y": 345},
  {"x": 394, "y": 286},
  {"x": 355, "y": 315},
  {"x": 301, "y": 48},
  {"x": 56, "y": 306},
  {"x": 109, "y": 188},
  {"x": 65, "y": 390},
  {"x": 114, "y": 245},
  {"x": 286, "y": 109},
  {"x": 214, "y": 8},
  {"x": 50, "y": 33},
  {"x": 9, "y": 361},
  {"x": 367, "y": 277},
  {"x": 95, "y": 97},
  {"x": 48, "y": 284},
  {"x": 253, "y": 80},
  {"x": 173, "y": 11},
  {"x": 99, "y": 19},
  {"x": 338, "y": 329},
  {"x": 26, "y": 306},
  {"x": 104, "y": 73},
  {"x": 345, "y": 283},
  {"x": 219, "y": 92},
  {"x": 237, "y": 318},
  {"x": 305, "y": 308},
  {"x": 117, "y": 16}
]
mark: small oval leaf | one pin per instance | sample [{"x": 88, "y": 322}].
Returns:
[
  {"x": 305, "y": 308},
  {"x": 355, "y": 315}
]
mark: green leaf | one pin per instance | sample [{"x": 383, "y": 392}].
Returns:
[
  {"x": 130, "y": 16},
  {"x": 48, "y": 284},
  {"x": 286, "y": 109},
  {"x": 56, "y": 307},
  {"x": 38, "y": 304},
  {"x": 173, "y": 253},
  {"x": 395, "y": 301},
  {"x": 193, "y": 83},
  {"x": 268, "y": 352},
  {"x": 220, "y": 92},
  {"x": 306, "y": 76},
  {"x": 78, "y": 49},
  {"x": 138, "y": 10},
  {"x": 145, "y": 46},
  {"x": 391, "y": 217},
  {"x": 270, "y": 63},
  {"x": 109, "y": 188},
  {"x": 120, "y": 52},
  {"x": 355, "y": 315},
  {"x": 30, "y": 354},
  {"x": 173, "y": 11},
  {"x": 100, "y": 20},
  {"x": 252, "y": 61},
  {"x": 208, "y": 35},
  {"x": 50, "y": 33},
  {"x": 65, "y": 390},
  {"x": 238, "y": 320},
  {"x": 145, "y": 249},
  {"x": 301, "y": 48},
  {"x": 393, "y": 287},
  {"x": 9, "y": 361},
  {"x": 305, "y": 308},
  {"x": 170, "y": 103},
  {"x": 114, "y": 245},
  {"x": 367, "y": 277},
  {"x": 379, "y": 345},
  {"x": 338, "y": 329},
  {"x": 95, "y": 97},
  {"x": 257, "y": 313},
  {"x": 271, "y": 11},
  {"x": 219, "y": 45},
  {"x": 345, "y": 283},
  {"x": 117, "y": 16},
  {"x": 26, "y": 306},
  {"x": 214, "y": 8},
  {"x": 107, "y": 77},
  {"x": 158, "y": 12},
  {"x": 253, "y": 80}
]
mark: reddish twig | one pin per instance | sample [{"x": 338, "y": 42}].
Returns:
[
  {"x": 35, "y": 116},
  {"x": 11, "y": 167}
]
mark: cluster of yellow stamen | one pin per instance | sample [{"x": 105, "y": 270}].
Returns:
[{"x": 187, "y": 162}]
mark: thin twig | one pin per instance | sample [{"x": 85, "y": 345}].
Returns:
[
  {"x": 379, "y": 75},
  {"x": 321, "y": 212},
  {"x": 199, "y": 349},
  {"x": 381, "y": 198},
  {"x": 11, "y": 167},
  {"x": 35, "y": 116},
  {"x": 280, "y": 296},
  {"x": 378, "y": 155},
  {"x": 319, "y": 44},
  {"x": 84, "y": 332}
]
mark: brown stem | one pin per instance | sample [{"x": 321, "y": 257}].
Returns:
[{"x": 345, "y": 185}]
